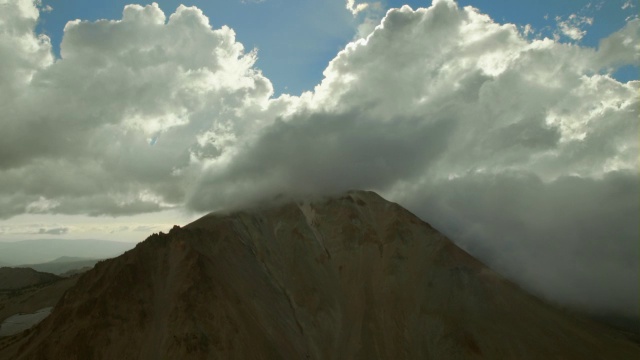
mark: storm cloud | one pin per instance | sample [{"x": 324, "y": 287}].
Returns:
[{"x": 524, "y": 151}]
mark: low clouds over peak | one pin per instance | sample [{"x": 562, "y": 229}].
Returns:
[{"x": 526, "y": 152}]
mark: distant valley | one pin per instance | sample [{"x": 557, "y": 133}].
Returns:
[
  {"x": 34, "y": 274},
  {"x": 24, "y": 291},
  {"x": 64, "y": 265}
]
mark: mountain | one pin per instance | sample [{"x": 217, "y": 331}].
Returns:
[
  {"x": 348, "y": 277},
  {"x": 17, "y": 278},
  {"x": 64, "y": 264},
  {"x": 40, "y": 251},
  {"x": 68, "y": 259}
]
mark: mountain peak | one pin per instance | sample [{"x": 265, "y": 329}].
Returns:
[{"x": 349, "y": 276}]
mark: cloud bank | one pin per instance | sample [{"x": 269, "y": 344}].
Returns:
[{"x": 525, "y": 152}]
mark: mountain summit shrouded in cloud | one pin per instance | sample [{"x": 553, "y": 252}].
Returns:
[
  {"x": 523, "y": 151},
  {"x": 345, "y": 277}
]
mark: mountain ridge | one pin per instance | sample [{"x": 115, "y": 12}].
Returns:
[{"x": 14, "y": 278}]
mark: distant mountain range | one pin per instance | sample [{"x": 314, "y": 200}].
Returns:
[
  {"x": 63, "y": 265},
  {"x": 48, "y": 250}
]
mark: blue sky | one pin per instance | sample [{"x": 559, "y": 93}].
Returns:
[{"x": 297, "y": 39}]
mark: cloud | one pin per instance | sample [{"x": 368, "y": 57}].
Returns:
[
  {"x": 527, "y": 30},
  {"x": 573, "y": 239},
  {"x": 573, "y": 26},
  {"x": 34, "y": 228},
  {"x": 23, "y": 52},
  {"x": 621, "y": 47},
  {"x": 356, "y": 8},
  {"x": 368, "y": 15},
  {"x": 43, "y": 8},
  {"x": 55, "y": 231},
  {"x": 524, "y": 151},
  {"x": 77, "y": 131}
]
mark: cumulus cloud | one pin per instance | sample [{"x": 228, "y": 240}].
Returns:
[
  {"x": 77, "y": 131},
  {"x": 621, "y": 47},
  {"x": 368, "y": 15},
  {"x": 524, "y": 151},
  {"x": 23, "y": 52}
]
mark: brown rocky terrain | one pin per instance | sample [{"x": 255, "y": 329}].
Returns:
[
  {"x": 350, "y": 277},
  {"x": 15, "y": 278}
]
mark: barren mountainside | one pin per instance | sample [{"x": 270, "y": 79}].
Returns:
[{"x": 349, "y": 277}]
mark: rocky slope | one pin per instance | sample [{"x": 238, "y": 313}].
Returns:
[{"x": 351, "y": 277}]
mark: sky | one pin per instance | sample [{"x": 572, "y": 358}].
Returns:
[
  {"x": 510, "y": 126},
  {"x": 295, "y": 43}
]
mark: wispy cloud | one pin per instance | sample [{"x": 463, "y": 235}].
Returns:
[
  {"x": 356, "y": 8},
  {"x": 372, "y": 12},
  {"x": 54, "y": 231},
  {"x": 34, "y": 229},
  {"x": 573, "y": 26}
]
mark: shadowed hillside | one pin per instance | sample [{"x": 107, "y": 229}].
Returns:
[{"x": 16, "y": 278}]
